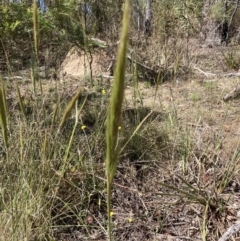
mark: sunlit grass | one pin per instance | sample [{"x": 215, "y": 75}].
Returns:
[{"x": 114, "y": 114}]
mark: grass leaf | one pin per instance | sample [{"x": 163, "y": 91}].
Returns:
[
  {"x": 114, "y": 114},
  {"x": 70, "y": 107},
  {"x": 3, "y": 115}
]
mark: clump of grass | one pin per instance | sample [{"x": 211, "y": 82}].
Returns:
[
  {"x": 231, "y": 61},
  {"x": 195, "y": 97},
  {"x": 229, "y": 171},
  {"x": 114, "y": 115}
]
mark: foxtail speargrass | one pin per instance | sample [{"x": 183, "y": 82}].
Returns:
[
  {"x": 36, "y": 29},
  {"x": 69, "y": 107},
  {"x": 114, "y": 114},
  {"x": 3, "y": 116}
]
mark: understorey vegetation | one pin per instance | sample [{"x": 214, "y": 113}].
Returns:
[{"x": 119, "y": 120}]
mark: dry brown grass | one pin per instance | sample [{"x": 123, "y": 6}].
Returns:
[{"x": 188, "y": 143}]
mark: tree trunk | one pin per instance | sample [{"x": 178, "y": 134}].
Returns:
[
  {"x": 215, "y": 22},
  {"x": 148, "y": 18}
]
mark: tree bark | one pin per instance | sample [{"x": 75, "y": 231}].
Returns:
[
  {"x": 215, "y": 29},
  {"x": 148, "y": 18}
]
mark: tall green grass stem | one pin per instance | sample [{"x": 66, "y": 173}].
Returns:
[{"x": 114, "y": 114}]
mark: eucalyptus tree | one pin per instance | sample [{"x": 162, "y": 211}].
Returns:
[
  {"x": 148, "y": 18},
  {"x": 220, "y": 21}
]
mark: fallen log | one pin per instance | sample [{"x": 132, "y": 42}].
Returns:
[
  {"x": 232, "y": 94},
  {"x": 230, "y": 232}
]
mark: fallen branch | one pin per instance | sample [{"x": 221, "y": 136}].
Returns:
[
  {"x": 128, "y": 77},
  {"x": 229, "y": 75},
  {"x": 231, "y": 231},
  {"x": 233, "y": 94},
  {"x": 146, "y": 71},
  {"x": 153, "y": 74},
  {"x": 142, "y": 65},
  {"x": 13, "y": 78},
  {"x": 207, "y": 74}
]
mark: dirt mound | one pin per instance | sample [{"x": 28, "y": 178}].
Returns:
[{"x": 79, "y": 63}]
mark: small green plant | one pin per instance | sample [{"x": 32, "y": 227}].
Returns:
[
  {"x": 195, "y": 97},
  {"x": 210, "y": 85},
  {"x": 231, "y": 61},
  {"x": 229, "y": 171},
  {"x": 186, "y": 151}
]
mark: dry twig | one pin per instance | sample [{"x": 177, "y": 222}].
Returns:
[
  {"x": 231, "y": 231},
  {"x": 232, "y": 94}
]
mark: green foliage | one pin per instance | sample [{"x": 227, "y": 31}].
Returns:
[
  {"x": 52, "y": 170},
  {"x": 231, "y": 60},
  {"x": 177, "y": 17},
  {"x": 114, "y": 114},
  {"x": 15, "y": 20},
  {"x": 195, "y": 97},
  {"x": 59, "y": 28},
  {"x": 218, "y": 11}
]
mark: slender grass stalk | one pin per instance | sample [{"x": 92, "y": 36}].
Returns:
[
  {"x": 36, "y": 47},
  {"x": 74, "y": 101},
  {"x": 135, "y": 80},
  {"x": 228, "y": 172},
  {"x": 74, "y": 128},
  {"x": 4, "y": 96},
  {"x": 159, "y": 80},
  {"x": 70, "y": 107},
  {"x": 177, "y": 64},
  {"x": 114, "y": 114},
  {"x": 135, "y": 131},
  {"x": 3, "y": 116},
  {"x": 189, "y": 194},
  {"x": 20, "y": 100},
  {"x": 204, "y": 224},
  {"x": 55, "y": 113},
  {"x": 36, "y": 29},
  {"x": 193, "y": 194},
  {"x": 33, "y": 79},
  {"x": 3, "y": 125},
  {"x": 21, "y": 142}
]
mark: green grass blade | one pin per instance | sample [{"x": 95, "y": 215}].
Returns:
[
  {"x": 136, "y": 130},
  {"x": 186, "y": 194},
  {"x": 36, "y": 29},
  {"x": 191, "y": 187},
  {"x": 3, "y": 115},
  {"x": 78, "y": 112},
  {"x": 229, "y": 170},
  {"x": 55, "y": 113},
  {"x": 70, "y": 107},
  {"x": 204, "y": 224},
  {"x": 114, "y": 114},
  {"x": 20, "y": 100}
]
